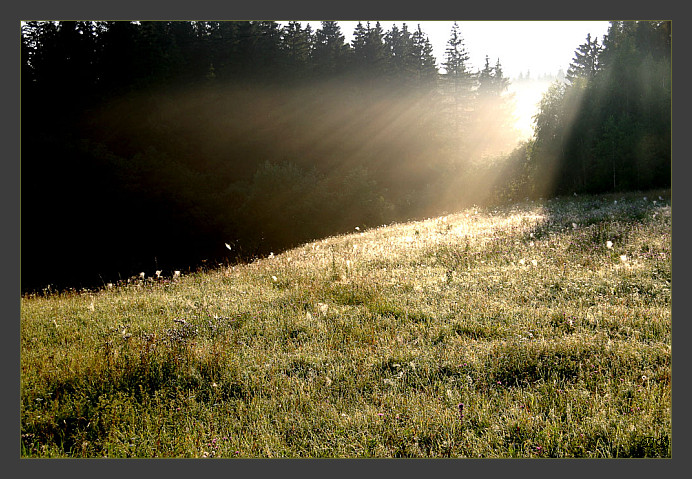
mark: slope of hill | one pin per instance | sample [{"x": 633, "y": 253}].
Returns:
[{"x": 538, "y": 330}]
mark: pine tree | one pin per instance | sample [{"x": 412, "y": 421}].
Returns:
[
  {"x": 330, "y": 50},
  {"x": 407, "y": 56},
  {"x": 369, "y": 57},
  {"x": 459, "y": 85},
  {"x": 585, "y": 63},
  {"x": 494, "y": 117},
  {"x": 423, "y": 58},
  {"x": 296, "y": 46}
]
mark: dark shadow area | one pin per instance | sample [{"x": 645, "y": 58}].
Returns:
[{"x": 164, "y": 146}]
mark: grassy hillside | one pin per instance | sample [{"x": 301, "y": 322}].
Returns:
[{"x": 539, "y": 330}]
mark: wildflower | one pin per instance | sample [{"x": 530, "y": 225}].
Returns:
[
  {"x": 609, "y": 244},
  {"x": 534, "y": 262},
  {"x": 623, "y": 257},
  {"x": 323, "y": 308},
  {"x": 141, "y": 275},
  {"x": 109, "y": 286},
  {"x": 158, "y": 273},
  {"x": 357, "y": 228},
  {"x": 176, "y": 274},
  {"x": 308, "y": 316},
  {"x": 521, "y": 261},
  {"x": 271, "y": 254},
  {"x": 660, "y": 198},
  {"x": 275, "y": 279},
  {"x": 228, "y": 246},
  {"x": 615, "y": 202},
  {"x": 574, "y": 226}
]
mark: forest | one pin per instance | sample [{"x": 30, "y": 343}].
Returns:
[{"x": 170, "y": 145}]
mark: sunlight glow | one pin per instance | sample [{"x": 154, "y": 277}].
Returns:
[{"x": 527, "y": 96}]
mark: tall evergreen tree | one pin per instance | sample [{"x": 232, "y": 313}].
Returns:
[
  {"x": 369, "y": 54},
  {"x": 425, "y": 62},
  {"x": 459, "y": 86},
  {"x": 330, "y": 51},
  {"x": 585, "y": 63},
  {"x": 404, "y": 61},
  {"x": 296, "y": 45}
]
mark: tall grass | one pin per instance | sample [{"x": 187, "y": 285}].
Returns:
[{"x": 507, "y": 332}]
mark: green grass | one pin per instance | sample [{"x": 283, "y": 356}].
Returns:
[{"x": 365, "y": 345}]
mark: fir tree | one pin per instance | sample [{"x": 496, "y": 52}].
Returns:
[{"x": 585, "y": 62}]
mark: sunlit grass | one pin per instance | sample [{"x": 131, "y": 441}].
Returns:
[{"x": 365, "y": 345}]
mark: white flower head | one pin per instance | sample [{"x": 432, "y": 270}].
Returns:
[
  {"x": 623, "y": 257},
  {"x": 574, "y": 226},
  {"x": 141, "y": 275},
  {"x": 275, "y": 279},
  {"x": 176, "y": 274},
  {"x": 521, "y": 261},
  {"x": 534, "y": 262},
  {"x": 323, "y": 308},
  {"x": 357, "y": 228},
  {"x": 228, "y": 246},
  {"x": 609, "y": 244},
  {"x": 158, "y": 273}
]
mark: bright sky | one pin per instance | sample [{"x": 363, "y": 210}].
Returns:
[{"x": 539, "y": 46}]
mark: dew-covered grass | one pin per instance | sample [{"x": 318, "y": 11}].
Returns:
[{"x": 537, "y": 330}]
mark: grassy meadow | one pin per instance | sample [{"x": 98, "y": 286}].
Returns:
[{"x": 541, "y": 329}]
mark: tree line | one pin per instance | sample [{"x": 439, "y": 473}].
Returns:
[
  {"x": 150, "y": 145},
  {"x": 608, "y": 126}
]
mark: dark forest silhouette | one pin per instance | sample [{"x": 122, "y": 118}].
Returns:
[{"x": 150, "y": 145}]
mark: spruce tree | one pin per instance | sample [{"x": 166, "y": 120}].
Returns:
[
  {"x": 585, "y": 63},
  {"x": 296, "y": 46},
  {"x": 459, "y": 86},
  {"x": 426, "y": 64},
  {"x": 330, "y": 50}
]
